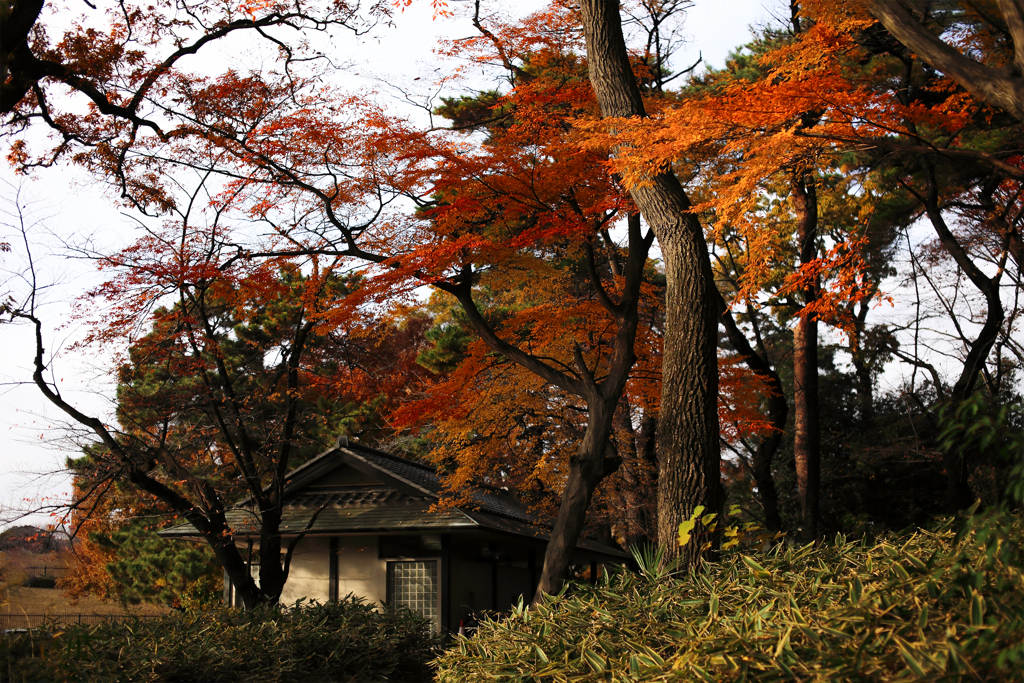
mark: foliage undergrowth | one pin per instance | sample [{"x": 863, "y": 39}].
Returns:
[
  {"x": 344, "y": 641},
  {"x": 935, "y": 605}
]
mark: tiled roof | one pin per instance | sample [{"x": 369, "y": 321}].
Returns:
[
  {"x": 365, "y": 496},
  {"x": 340, "y": 520},
  {"x": 496, "y": 502},
  {"x": 401, "y": 502}
]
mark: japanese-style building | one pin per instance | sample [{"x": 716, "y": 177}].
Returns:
[{"x": 375, "y": 536}]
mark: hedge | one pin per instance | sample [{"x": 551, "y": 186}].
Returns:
[
  {"x": 344, "y": 641},
  {"x": 936, "y": 605}
]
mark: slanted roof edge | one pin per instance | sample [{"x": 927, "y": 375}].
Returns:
[{"x": 391, "y": 475}]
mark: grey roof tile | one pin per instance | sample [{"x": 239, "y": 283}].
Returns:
[
  {"x": 381, "y": 508},
  {"x": 355, "y": 497},
  {"x": 496, "y": 502}
]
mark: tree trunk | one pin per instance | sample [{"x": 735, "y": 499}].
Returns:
[
  {"x": 960, "y": 495},
  {"x": 688, "y": 448},
  {"x": 1000, "y": 87},
  {"x": 778, "y": 411},
  {"x": 637, "y": 480},
  {"x": 865, "y": 382},
  {"x": 586, "y": 470},
  {"x": 807, "y": 442}
]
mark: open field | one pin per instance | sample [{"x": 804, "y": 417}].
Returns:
[
  {"x": 22, "y": 607},
  {"x": 20, "y": 560}
]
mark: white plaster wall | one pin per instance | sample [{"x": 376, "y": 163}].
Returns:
[
  {"x": 309, "y": 574},
  {"x": 360, "y": 569}
]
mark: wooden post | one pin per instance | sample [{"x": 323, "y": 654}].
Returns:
[
  {"x": 227, "y": 590},
  {"x": 332, "y": 570},
  {"x": 446, "y": 581},
  {"x": 494, "y": 584}
]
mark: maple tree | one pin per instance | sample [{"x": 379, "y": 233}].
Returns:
[
  {"x": 122, "y": 67},
  {"x": 996, "y": 76},
  {"x": 792, "y": 246},
  {"x": 532, "y": 213},
  {"x": 532, "y": 440},
  {"x": 967, "y": 204}
]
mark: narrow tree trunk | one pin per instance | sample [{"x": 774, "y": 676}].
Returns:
[
  {"x": 688, "y": 448},
  {"x": 806, "y": 445},
  {"x": 637, "y": 482},
  {"x": 955, "y": 460},
  {"x": 865, "y": 383},
  {"x": 807, "y": 442},
  {"x": 586, "y": 470},
  {"x": 778, "y": 411},
  {"x": 238, "y": 572}
]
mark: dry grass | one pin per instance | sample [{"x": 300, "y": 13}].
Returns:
[
  {"x": 22, "y": 559},
  {"x": 51, "y": 600},
  {"x": 23, "y": 607},
  {"x": 17, "y": 565}
]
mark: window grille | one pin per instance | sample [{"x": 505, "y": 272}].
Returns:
[{"x": 414, "y": 585}]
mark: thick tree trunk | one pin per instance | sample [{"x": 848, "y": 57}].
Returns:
[
  {"x": 1001, "y": 87},
  {"x": 688, "y": 447},
  {"x": 807, "y": 441}
]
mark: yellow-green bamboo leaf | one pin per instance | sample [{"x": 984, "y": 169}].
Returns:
[{"x": 596, "y": 661}]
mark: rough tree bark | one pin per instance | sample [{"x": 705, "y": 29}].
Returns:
[
  {"x": 688, "y": 448},
  {"x": 807, "y": 441}
]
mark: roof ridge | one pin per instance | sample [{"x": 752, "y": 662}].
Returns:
[{"x": 390, "y": 456}]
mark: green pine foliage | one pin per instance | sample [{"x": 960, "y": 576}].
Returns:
[
  {"x": 344, "y": 641},
  {"x": 148, "y": 568},
  {"x": 926, "y": 605}
]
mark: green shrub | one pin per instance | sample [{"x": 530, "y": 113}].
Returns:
[
  {"x": 930, "y": 605},
  {"x": 346, "y": 641}
]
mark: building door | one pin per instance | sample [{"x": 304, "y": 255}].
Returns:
[{"x": 413, "y": 584}]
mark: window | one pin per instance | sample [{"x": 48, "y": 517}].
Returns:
[{"x": 414, "y": 585}]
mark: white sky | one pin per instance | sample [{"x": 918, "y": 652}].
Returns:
[{"x": 71, "y": 208}]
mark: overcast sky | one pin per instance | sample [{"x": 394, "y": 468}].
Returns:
[{"x": 66, "y": 207}]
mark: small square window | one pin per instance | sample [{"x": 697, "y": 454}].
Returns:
[{"x": 414, "y": 585}]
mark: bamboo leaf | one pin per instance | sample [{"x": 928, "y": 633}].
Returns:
[
  {"x": 596, "y": 661},
  {"x": 914, "y": 665},
  {"x": 977, "y": 609},
  {"x": 759, "y": 571}
]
